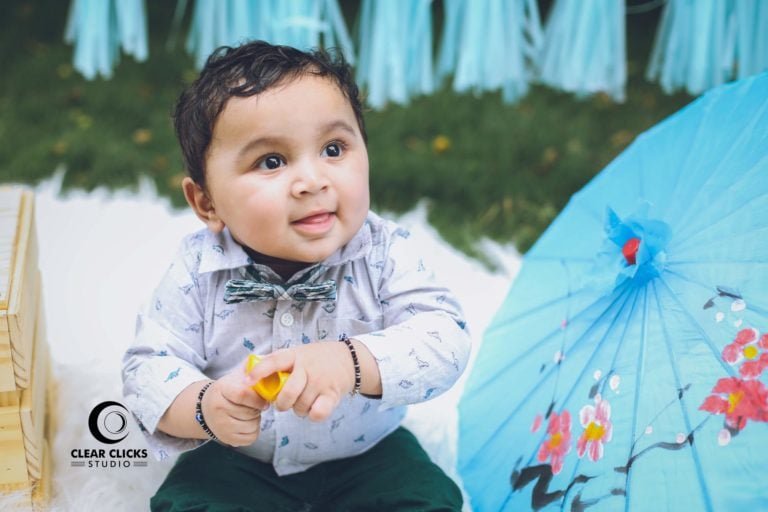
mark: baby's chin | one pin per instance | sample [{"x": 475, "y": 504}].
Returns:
[
  {"x": 315, "y": 256},
  {"x": 307, "y": 255},
  {"x": 306, "y": 251}
]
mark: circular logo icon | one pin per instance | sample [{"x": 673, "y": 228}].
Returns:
[{"x": 108, "y": 422}]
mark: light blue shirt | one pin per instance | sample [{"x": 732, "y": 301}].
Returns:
[{"x": 387, "y": 298}]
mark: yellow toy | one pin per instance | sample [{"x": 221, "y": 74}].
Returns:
[{"x": 268, "y": 387}]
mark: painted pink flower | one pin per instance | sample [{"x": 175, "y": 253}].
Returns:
[
  {"x": 598, "y": 428},
  {"x": 749, "y": 349},
  {"x": 740, "y": 400},
  {"x": 558, "y": 442},
  {"x": 754, "y": 368},
  {"x": 536, "y": 422}
]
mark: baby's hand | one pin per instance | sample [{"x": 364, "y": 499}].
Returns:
[
  {"x": 321, "y": 373},
  {"x": 232, "y": 410}
]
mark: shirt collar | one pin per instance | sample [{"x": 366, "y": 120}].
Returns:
[{"x": 220, "y": 251}]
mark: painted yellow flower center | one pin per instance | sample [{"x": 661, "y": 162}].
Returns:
[
  {"x": 594, "y": 431},
  {"x": 555, "y": 440},
  {"x": 751, "y": 351},
  {"x": 734, "y": 399}
]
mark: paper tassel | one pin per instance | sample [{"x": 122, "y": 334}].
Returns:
[
  {"x": 489, "y": 44},
  {"x": 395, "y": 60},
  {"x": 751, "y": 27},
  {"x": 703, "y": 44},
  {"x": 584, "y": 48},
  {"x": 100, "y": 28},
  {"x": 690, "y": 50},
  {"x": 303, "y": 24}
]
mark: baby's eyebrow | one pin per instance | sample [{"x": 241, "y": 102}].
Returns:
[
  {"x": 255, "y": 143},
  {"x": 338, "y": 125}
]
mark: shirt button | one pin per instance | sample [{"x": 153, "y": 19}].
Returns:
[{"x": 286, "y": 319}]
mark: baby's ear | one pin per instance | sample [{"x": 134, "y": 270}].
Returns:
[{"x": 202, "y": 205}]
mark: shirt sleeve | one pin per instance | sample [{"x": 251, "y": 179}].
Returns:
[
  {"x": 167, "y": 354},
  {"x": 425, "y": 345}
]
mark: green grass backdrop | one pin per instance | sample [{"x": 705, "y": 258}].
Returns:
[{"x": 485, "y": 168}]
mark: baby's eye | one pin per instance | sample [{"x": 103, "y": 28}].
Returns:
[
  {"x": 271, "y": 162},
  {"x": 333, "y": 149}
]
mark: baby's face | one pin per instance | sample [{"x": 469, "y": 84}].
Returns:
[{"x": 287, "y": 170}]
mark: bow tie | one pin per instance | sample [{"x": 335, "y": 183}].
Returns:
[{"x": 258, "y": 289}]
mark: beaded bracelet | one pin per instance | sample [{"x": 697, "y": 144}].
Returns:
[
  {"x": 199, "y": 413},
  {"x": 355, "y": 362}
]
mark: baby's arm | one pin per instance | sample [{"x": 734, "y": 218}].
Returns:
[
  {"x": 424, "y": 345},
  {"x": 321, "y": 374},
  {"x": 163, "y": 370},
  {"x": 232, "y": 411},
  {"x": 420, "y": 353}
]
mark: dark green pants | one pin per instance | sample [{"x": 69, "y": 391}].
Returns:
[{"x": 394, "y": 475}]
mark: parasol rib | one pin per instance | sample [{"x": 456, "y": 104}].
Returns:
[
  {"x": 536, "y": 309},
  {"x": 527, "y": 352},
  {"x": 614, "y": 321},
  {"x": 715, "y": 351},
  {"x": 745, "y": 140},
  {"x": 753, "y": 306},
  {"x": 683, "y": 409},
  {"x": 613, "y": 362},
  {"x": 638, "y": 375},
  {"x": 705, "y": 104},
  {"x": 692, "y": 319},
  {"x": 545, "y": 376},
  {"x": 724, "y": 195},
  {"x": 686, "y": 240},
  {"x": 705, "y": 263}
]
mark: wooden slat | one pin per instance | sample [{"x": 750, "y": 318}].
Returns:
[
  {"x": 17, "y": 318},
  {"x": 13, "y": 459},
  {"x": 10, "y": 212},
  {"x": 32, "y": 495},
  {"x": 41, "y": 493},
  {"x": 7, "y": 373},
  {"x": 10, "y": 208},
  {"x": 24, "y": 328},
  {"x": 32, "y": 409}
]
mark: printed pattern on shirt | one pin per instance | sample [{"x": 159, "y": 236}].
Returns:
[{"x": 387, "y": 298}]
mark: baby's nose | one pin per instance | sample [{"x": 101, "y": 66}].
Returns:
[{"x": 310, "y": 179}]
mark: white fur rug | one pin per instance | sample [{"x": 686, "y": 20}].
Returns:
[{"x": 100, "y": 255}]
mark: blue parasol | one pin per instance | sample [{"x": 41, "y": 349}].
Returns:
[{"x": 627, "y": 368}]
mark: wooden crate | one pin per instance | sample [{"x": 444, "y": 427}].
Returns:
[
  {"x": 33, "y": 408},
  {"x": 34, "y": 495},
  {"x": 19, "y": 286},
  {"x": 13, "y": 456},
  {"x": 22, "y": 422},
  {"x": 24, "y": 361}
]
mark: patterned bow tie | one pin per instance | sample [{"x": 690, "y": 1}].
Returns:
[{"x": 258, "y": 289}]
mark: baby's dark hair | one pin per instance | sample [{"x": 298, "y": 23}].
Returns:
[{"x": 245, "y": 71}]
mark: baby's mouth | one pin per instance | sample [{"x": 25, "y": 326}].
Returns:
[
  {"x": 316, "y": 218},
  {"x": 315, "y": 224}
]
